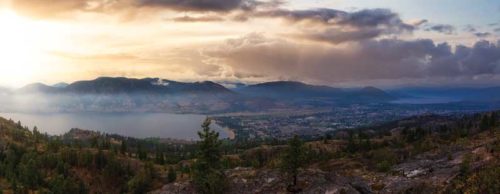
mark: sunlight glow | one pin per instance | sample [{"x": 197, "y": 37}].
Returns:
[{"x": 20, "y": 48}]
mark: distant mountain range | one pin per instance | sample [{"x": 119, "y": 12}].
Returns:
[
  {"x": 298, "y": 90},
  {"x": 121, "y": 85},
  {"x": 119, "y": 94},
  {"x": 283, "y": 90},
  {"x": 452, "y": 93},
  {"x": 112, "y": 94}
]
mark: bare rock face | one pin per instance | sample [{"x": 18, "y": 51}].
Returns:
[
  {"x": 429, "y": 172},
  {"x": 249, "y": 180},
  {"x": 175, "y": 188}
]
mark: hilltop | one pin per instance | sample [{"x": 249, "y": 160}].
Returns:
[{"x": 422, "y": 154}]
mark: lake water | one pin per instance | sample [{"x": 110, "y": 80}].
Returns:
[
  {"x": 141, "y": 125},
  {"x": 426, "y": 100}
]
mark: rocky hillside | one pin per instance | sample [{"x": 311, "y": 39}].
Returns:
[{"x": 426, "y": 154}]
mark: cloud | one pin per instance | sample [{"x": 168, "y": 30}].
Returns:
[
  {"x": 419, "y": 22},
  {"x": 337, "y": 36},
  {"x": 362, "y": 18},
  {"x": 48, "y": 8},
  {"x": 201, "y": 5},
  {"x": 387, "y": 59},
  {"x": 482, "y": 34},
  {"x": 442, "y": 28},
  {"x": 470, "y": 28},
  {"x": 198, "y": 19},
  {"x": 336, "y": 26},
  {"x": 58, "y": 8}
]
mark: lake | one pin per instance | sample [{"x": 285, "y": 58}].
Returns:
[
  {"x": 425, "y": 100},
  {"x": 140, "y": 125}
]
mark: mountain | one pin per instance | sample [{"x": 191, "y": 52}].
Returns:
[
  {"x": 121, "y": 85},
  {"x": 454, "y": 93},
  {"x": 299, "y": 90},
  {"x": 38, "y": 88},
  {"x": 60, "y": 85},
  {"x": 288, "y": 89},
  {"x": 108, "y": 85},
  {"x": 120, "y": 94}
]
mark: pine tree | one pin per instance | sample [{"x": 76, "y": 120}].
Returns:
[
  {"x": 493, "y": 119},
  {"x": 172, "y": 175},
  {"x": 484, "y": 123},
  {"x": 351, "y": 145},
  {"x": 208, "y": 175},
  {"x": 159, "y": 156},
  {"x": 141, "y": 153},
  {"x": 123, "y": 147},
  {"x": 292, "y": 160}
]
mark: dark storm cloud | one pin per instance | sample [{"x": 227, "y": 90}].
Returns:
[
  {"x": 201, "y": 5},
  {"x": 363, "y": 18},
  {"x": 390, "y": 59},
  {"x": 443, "y": 28},
  {"x": 376, "y": 17},
  {"x": 482, "y": 58},
  {"x": 321, "y": 15},
  {"x": 54, "y": 8},
  {"x": 497, "y": 30},
  {"x": 335, "y": 26}
]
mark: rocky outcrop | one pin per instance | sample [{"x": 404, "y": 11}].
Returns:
[{"x": 311, "y": 181}]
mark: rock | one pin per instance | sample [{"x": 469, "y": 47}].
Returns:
[{"x": 361, "y": 186}]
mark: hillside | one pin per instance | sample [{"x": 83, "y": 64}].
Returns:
[
  {"x": 81, "y": 161},
  {"x": 298, "y": 90},
  {"x": 423, "y": 154}
]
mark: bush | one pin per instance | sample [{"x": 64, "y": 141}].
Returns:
[
  {"x": 486, "y": 180},
  {"x": 384, "y": 166}
]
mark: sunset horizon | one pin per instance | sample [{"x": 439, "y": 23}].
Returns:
[{"x": 336, "y": 43}]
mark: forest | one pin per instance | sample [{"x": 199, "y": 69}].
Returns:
[{"x": 83, "y": 161}]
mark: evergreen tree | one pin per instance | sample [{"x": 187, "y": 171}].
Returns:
[
  {"x": 493, "y": 120},
  {"x": 172, "y": 175},
  {"x": 292, "y": 160},
  {"x": 159, "y": 156},
  {"x": 100, "y": 160},
  {"x": 485, "y": 122},
  {"x": 124, "y": 147},
  {"x": 208, "y": 175},
  {"x": 141, "y": 153},
  {"x": 351, "y": 144}
]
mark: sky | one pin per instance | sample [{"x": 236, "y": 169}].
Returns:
[{"x": 385, "y": 43}]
